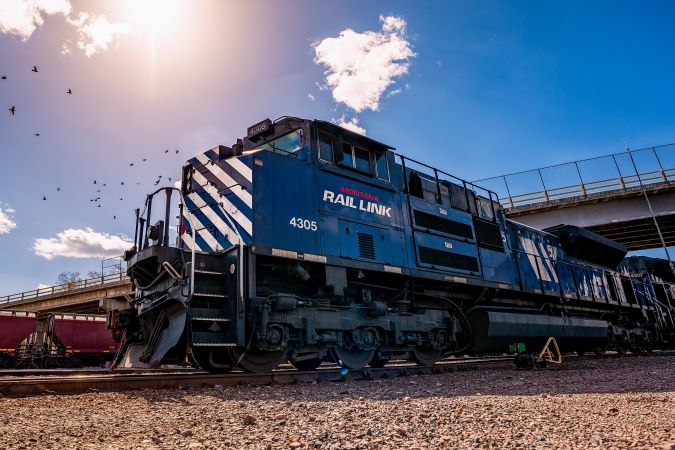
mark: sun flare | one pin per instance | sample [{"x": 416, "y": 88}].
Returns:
[{"x": 156, "y": 17}]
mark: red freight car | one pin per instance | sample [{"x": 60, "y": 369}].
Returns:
[
  {"x": 68, "y": 340},
  {"x": 83, "y": 334},
  {"x": 15, "y": 327}
]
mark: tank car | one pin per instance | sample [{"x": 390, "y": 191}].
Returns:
[{"x": 305, "y": 241}]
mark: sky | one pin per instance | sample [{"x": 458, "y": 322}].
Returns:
[{"x": 477, "y": 88}]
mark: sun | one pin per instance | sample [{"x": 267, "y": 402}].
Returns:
[{"x": 155, "y": 17}]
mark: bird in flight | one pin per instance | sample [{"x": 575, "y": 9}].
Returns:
[
  {"x": 94, "y": 181},
  {"x": 4, "y": 77},
  {"x": 131, "y": 164},
  {"x": 69, "y": 91},
  {"x": 44, "y": 198},
  {"x": 166, "y": 151},
  {"x": 145, "y": 159},
  {"x": 121, "y": 198},
  {"x": 177, "y": 151},
  {"x": 58, "y": 189},
  {"x": 37, "y": 134},
  {"x": 12, "y": 110},
  {"x": 34, "y": 69},
  {"x": 114, "y": 217}
]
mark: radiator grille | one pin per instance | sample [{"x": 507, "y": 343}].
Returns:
[
  {"x": 488, "y": 234},
  {"x": 432, "y": 222},
  {"x": 366, "y": 245},
  {"x": 436, "y": 257}
]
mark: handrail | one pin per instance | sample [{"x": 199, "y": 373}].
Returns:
[
  {"x": 64, "y": 288},
  {"x": 616, "y": 179},
  {"x": 653, "y": 148}
]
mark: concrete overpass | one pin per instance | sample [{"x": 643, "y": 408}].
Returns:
[
  {"x": 90, "y": 296},
  {"x": 605, "y": 195}
]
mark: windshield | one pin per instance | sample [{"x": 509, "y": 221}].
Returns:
[{"x": 288, "y": 143}]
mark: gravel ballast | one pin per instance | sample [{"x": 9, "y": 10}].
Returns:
[{"x": 607, "y": 403}]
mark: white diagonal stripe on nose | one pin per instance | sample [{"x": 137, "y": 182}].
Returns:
[
  {"x": 243, "y": 194},
  {"x": 228, "y": 207}
]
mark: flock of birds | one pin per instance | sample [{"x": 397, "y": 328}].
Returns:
[{"x": 99, "y": 185}]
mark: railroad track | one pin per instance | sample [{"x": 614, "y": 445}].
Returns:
[{"x": 77, "y": 382}]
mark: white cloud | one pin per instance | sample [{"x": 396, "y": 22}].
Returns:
[
  {"x": 311, "y": 97},
  {"x": 96, "y": 33},
  {"x": 82, "y": 243},
  {"x": 42, "y": 286},
  {"x": 22, "y": 17},
  {"x": 351, "y": 124},
  {"x": 6, "y": 220},
  {"x": 394, "y": 92},
  {"x": 361, "y": 66}
]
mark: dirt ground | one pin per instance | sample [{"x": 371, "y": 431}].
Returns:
[{"x": 607, "y": 403}]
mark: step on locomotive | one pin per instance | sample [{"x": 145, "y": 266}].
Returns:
[{"x": 306, "y": 242}]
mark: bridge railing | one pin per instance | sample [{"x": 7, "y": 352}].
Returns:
[
  {"x": 64, "y": 288},
  {"x": 588, "y": 176}
]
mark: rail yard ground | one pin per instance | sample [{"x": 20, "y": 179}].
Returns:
[{"x": 605, "y": 403}]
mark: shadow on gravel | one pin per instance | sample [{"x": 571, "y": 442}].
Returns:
[{"x": 653, "y": 374}]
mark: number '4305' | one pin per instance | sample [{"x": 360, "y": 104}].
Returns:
[{"x": 303, "y": 224}]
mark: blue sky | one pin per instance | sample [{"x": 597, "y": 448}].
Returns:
[{"x": 493, "y": 88}]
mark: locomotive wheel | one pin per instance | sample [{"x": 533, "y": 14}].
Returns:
[
  {"x": 351, "y": 358},
  {"x": 424, "y": 356},
  {"x": 258, "y": 361},
  {"x": 306, "y": 363},
  {"x": 213, "y": 360}
]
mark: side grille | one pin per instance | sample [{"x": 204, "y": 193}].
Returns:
[
  {"x": 366, "y": 245},
  {"x": 488, "y": 234},
  {"x": 426, "y": 220},
  {"x": 440, "y": 258}
]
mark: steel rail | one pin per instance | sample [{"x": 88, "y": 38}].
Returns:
[
  {"x": 115, "y": 382},
  {"x": 182, "y": 378}
]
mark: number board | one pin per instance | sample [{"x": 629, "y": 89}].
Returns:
[{"x": 259, "y": 128}]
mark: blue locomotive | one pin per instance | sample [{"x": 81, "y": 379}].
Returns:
[{"x": 305, "y": 242}]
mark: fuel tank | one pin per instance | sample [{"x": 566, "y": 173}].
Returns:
[{"x": 494, "y": 330}]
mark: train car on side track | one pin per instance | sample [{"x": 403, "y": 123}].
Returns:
[
  {"x": 15, "y": 326},
  {"x": 305, "y": 241},
  {"x": 54, "y": 340}
]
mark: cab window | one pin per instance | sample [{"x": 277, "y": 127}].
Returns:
[
  {"x": 289, "y": 143},
  {"x": 356, "y": 158},
  {"x": 362, "y": 160},
  {"x": 381, "y": 166},
  {"x": 369, "y": 162},
  {"x": 347, "y": 156},
  {"x": 326, "y": 147}
]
